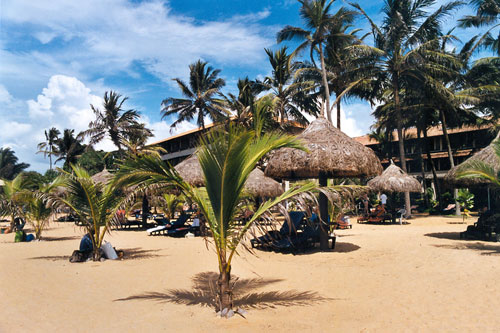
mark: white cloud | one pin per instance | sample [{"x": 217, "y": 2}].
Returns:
[{"x": 116, "y": 33}]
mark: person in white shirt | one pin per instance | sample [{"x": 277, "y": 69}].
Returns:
[{"x": 383, "y": 199}]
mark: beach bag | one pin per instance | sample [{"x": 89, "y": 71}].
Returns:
[
  {"x": 30, "y": 237},
  {"x": 109, "y": 251},
  {"x": 20, "y": 236}
]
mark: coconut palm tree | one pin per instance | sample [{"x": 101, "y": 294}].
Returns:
[
  {"x": 11, "y": 203},
  {"x": 69, "y": 148},
  {"x": 487, "y": 14},
  {"x": 114, "y": 121},
  {"x": 317, "y": 18},
  {"x": 47, "y": 147},
  {"x": 288, "y": 95},
  {"x": 38, "y": 209},
  {"x": 94, "y": 204},
  {"x": 408, "y": 30},
  {"x": 226, "y": 158},
  {"x": 199, "y": 95},
  {"x": 9, "y": 167}
]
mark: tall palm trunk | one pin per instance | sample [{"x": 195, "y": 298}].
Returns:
[
  {"x": 338, "y": 115},
  {"x": 434, "y": 174},
  {"x": 450, "y": 156},
  {"x": 224, "y": 292},
  {"x": 399, "y": 122},
  {"x": 422, "y": 164},
  {"x": 50, "y": 157},
  {"x": 325, "y": 85},
  {"x": 145, "y": 211}
]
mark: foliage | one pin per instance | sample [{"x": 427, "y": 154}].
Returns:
[
  {"x": 479, "y": 169},
  {"x": 48, "y": 147},
  {"x": 226, "y": 160},
  {"x": 11, "y": 203},
  {"x": 93, "y": 161},
  {"x": 94, "y": 204},
  {"x": 9, "y": 167},
  {"x": 69, "y": 148},
  {"x": 199, "y": 101},
  {"x": 113, "y": 121}
]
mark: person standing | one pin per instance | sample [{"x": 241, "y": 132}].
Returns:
[{"x": 383, "y": 199}]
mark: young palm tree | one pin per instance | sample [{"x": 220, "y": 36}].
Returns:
[
  {"x": 286, "y": 93},
  {"x": 11, "y": 203},
  {"x": 113, "y": 121},
  {"x": 9, "y": 167},
  {"x": 94, "y": 204},
  {"x": 47, "y": 147},
  {"x": 406, "y": 32},
  {"x": 38, "y": 210},
  {"x": 69, "y": 148},
  {"x": 226, "y": 160},
  {"x": 199, "y": 95}
]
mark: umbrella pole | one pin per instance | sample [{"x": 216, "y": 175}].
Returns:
[
  {"x": 489, "y": 199},
  {"x": 323, "y": 212}
]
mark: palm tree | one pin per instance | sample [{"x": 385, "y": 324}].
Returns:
[
  {"x": 199, "y": 99},
  {"x": 487, "y": 14},
  {"x": 94, "y": 204},
  {"x": 9, "y": 167},
  {"x": 287, "y": 94},
  {"x": 38, "y": 210},
  {"x": 47, "y": 147},
  {"x": 11, "y": 203},
  {"x": 407, "y": 31},
  {"x": 115, "y": 122},
  {"x": 226, "y": 160},
  {"x": 317, "y": 18},
  {"x": 69, "y": 148}
]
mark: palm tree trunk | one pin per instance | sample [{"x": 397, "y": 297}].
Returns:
[
  {"x": 450, "y": 156},
  {"x": 325, "y": 85},
  {"x": 434, "y": 174},
  {"x": 224, "y": 292},
  {"x": 338, "y": 115},
  {"x": 145, "y": 211},
  {"x": 50, "y": 157},
  {"x": 422, "y": 165},
  {"x": 399, "y": 122}
]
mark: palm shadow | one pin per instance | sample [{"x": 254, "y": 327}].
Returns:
[
  {"x": 137, "y": 253},
  {"x": 444, "y": 235},
  {"x": 51, "y": 258},
  {"x": 485, "y": 249},
  {"x": 57, "y": 239},
  {"x": 204, "y": 290}
]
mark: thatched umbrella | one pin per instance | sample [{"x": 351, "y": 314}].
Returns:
[
  {"x": 332, "y": 154},
  {"x": 102, "y": 177},
  {"x": 486, "y": 155},
  {"x": 394, "y": 179},
  {"x": 190, "y": 170},
  {"x": 257, "y": 183}
]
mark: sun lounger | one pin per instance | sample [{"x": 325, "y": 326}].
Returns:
[
  {"x": 301, "y": 241},
  {"x": 296, "y": 219}
]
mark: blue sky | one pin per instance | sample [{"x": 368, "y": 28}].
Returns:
[{"x": 59, "y": 56}]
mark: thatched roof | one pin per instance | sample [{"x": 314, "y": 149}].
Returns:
[
  {"x": 261, "y": 186},
  {"x": 257, "y": 183},
  {"x": 486, "y": 155},
  {"x": 190, "y": 171},
  {"x": 331, "y": 152},
  {"x": 102, "y": 177},
  {"x": 394, "y": 179}
]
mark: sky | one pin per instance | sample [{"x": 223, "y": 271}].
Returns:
[{"x": 57, "y": 57}]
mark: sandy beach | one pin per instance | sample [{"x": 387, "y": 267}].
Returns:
[{"x": 418, "y": 277}]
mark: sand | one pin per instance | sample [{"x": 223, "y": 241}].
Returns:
[{"x": 381, "y": 278}]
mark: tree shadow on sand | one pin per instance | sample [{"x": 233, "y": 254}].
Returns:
[
  {"x": 128, "y": 254},
  {"x": 444, "y": 235},
  {"x": 51, "y": 258},
  {"x": 58, "y": 239},
  {"x": 485, "y": 249},
  {"x": 204, "y": 290}
]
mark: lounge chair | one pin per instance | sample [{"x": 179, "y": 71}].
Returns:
[
  {"x": 379, "y": 215},
  {"x": 301, "y": 241},
  {"x": 165, "y": 225},
  {"x": 296, "y": 219}
]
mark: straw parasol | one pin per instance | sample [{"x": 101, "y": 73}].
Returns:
[
  {"x": 332, "y": 154},
  {"x": 394, "y": 179},
  {"x": 102, "y": 177},
  {"x": 190, "y": 171},
  {"x": 257, "y": 183},
  {"x": 486, "y": 155}
]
